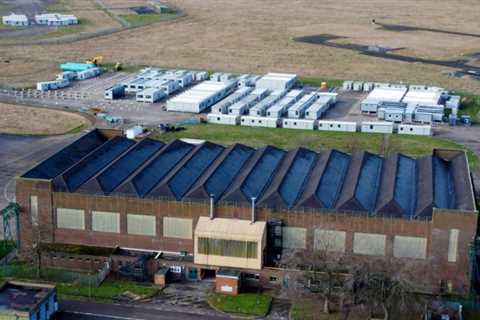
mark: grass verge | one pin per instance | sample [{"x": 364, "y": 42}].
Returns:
[
  {"x": 317, "y": 140},
  {"x": 249, "y": 304},
  {"x": 470, "y": 106},
  {"x": 110, "y": 290},
  {"x": 313, "y": 81},
  {"x": 138, "y": 20},
  {"x": 6, "y": 246},
  {"x": 60, "y": 6}
]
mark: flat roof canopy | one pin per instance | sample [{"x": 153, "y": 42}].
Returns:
[{"x": 230, "y": 229}]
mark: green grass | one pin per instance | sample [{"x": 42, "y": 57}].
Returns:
[
  {"x": 313, "y": 81},
  {"x": 131, "y": 68},
  {"x": 316, "y": 140},
  {"x": 250, "y": 304},
  {"x": 77, "y": 249},
  {"x": 470, "y": 106},
  {"x": 137, "y": 20},
  {"x": 108, "y": 291},
  {"x": 311, "y": 310},
  {"x": 60, "y": 6}
]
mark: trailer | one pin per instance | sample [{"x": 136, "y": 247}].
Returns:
[
  {"x": 259, "y": 110},
  {"x": 297, "y": 110},
  {"x": 259, "y": 122},
  {"x": 115, "y": 92},
  {"x": 319, "y": 107},
  {"x": 344, "y": 126},
  {"x": 298, "y": 124},
  {"x": 223, "y": 119},
  {"x": 417, "y": 130},
  {"x": 281, "y": 107},
  {"x": 87, "y": 74},
  {"x": 222, "y": 106},
  {"x": 52, "y": 85},
  {"x": 377, "y": 127},
  {"x": 150, "y": 95}
]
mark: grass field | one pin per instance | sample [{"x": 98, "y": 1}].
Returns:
[
  {"x": 317, "y": 140},
  {"x": 16, "y": 119},
  {"x": 252, "y": 36},
  {"x": 246, "y": 304},
  {"x": 470, "y": 106},
  {"x": 137, "y": 20}
]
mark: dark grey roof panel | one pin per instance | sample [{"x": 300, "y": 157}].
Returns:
[
  {"x": 346, "y": 198},
  {"x": 386, "y": 204},
  {"x": 406, "y": 184},
  {"x": 424, "y": 197},
  {"x": 444, "y": 187},
  {"x": 369, "y": 182},
  {"x": 67, "y": 157},
  {"x": 95, "y": 161},
  {"x": 333, "y": 178},
  {"x": 464, "y": 198}
]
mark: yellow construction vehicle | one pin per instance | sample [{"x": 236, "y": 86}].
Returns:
[{"x": 95, "y": 60}]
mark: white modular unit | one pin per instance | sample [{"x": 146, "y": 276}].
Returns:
[
  {"x": 216, "y": 76},
  {"x": 262, "y": 93},
  {"x": 453, "y": 103},
  {"x": 135, "y": 85},
  {"x": 87, "y": 74},
  {"x": 223, "y": 119},
  {"x": 392, "y": 114},
  {"x": 377, "y": 127},
  {"x": 201, "y": 75},
  {"x": 437, "y": 111},
  {"x": 222, "y": 106},
  {"x": 368, "y": 86},
  {"x": 344, "y": 126},
  {"x": 15, "y": 20},
  {"x": 133, "y": 132},
  {"x": 68, "y": 75},
  {"x": 241, "y": 107},
  {"x": 201, "y": 96},
  {"x": 182, "y": 77},
  {"x": 381, "y": 113},
  {"x": 298, "y": 124},
  {"x": 150, "y": 95},
  {"x": 259, "y": 122},
  {"x": 409, "y": 113},
  {"x": 297, "y": 110},
  {"x": 260, "y": 108},
  {"x": 332, "y": 95},
  {"x": 423, "y": 117},
  {"x": 319, "y": 107},
  {"x": 422, "y": 95},
  {"x": 415, "y": 130},
  {"x": 277, "y": 81},
  {"x": 281, "y": 107},
  {"x": 52, "y": 85},
  {"x": 347, "y": 85},
  {"x": 226, "y": 77},
  {"x": 380, "y": 95},
  {"x": 357, "y": 86},
  {"x": 56, "y": 19}
]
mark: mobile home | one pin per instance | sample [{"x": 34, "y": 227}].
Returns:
[{"x": 297, "y": 110}]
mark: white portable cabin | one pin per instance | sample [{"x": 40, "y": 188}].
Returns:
[
  {"x": 182, "y": 77},
  {"x": 260, "y": 108},
  {"x": 56, "y": 19},
  {"x": 201, "y": 75},
  {"x": 332, "y": 95},
  {"x": 133, "y": 132},
  {"x": 391, "y": 114},
  {"x": 201, "y": 96},
  {"x": 216, "y": 76},
  {"x": 319, "y": 107},
  {"x": 423, "y": 95},
  {"x": 226, "y": 77},
  {"x": 259, "y": 122},
  {"x": 277, "y": 81},
  {"x": 297, "y": 110},
  {"x": 69, "y": 75},
  {"x": 368, "y": 86},
  {"x": 377, "y": 127},
  {"x": 380, "y": 95},
  {"x": 223, "y": 119},
  {"x": 15, "y": 20},
  {"x": 222, "y": 106},
  {"x": 150, "y": 95},
  {"x": 453, "y": 103},
  {"x": 357, "y": 86},
  {"x": 344, "y": 126},
  {"x": 281, "y": 107},
  {"x": 347, "y": 85},
  {"x": 298, "y": 124},
  {"x": 422, "y": 117},
  {"x": 241, "y": 107},
  {"x": 89, "y": 73},
  {"x": 52, "y": 85},
  {"x": 417, "y": 130}
]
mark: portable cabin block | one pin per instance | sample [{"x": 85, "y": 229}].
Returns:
[
  {"x": 259, "y": 122},
  {"x": 343, "y": 126},
  {"x": 377, "y": 127},
  {"x": 417, "y": 130},
  {"x": 298, "y": 124},
  {"x": 223, "y": 119}
]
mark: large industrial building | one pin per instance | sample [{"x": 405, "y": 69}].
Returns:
[{"x": 208, "y": 206}]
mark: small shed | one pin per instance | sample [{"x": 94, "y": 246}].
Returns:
[{"x": 228, "y": 281}]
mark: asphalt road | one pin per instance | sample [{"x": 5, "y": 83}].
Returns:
[{"x": 82, "y": 310}]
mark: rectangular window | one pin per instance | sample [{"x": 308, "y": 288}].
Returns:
[
  {"x": 453, "y": 245},
  {"x": 369, "y": 244},
  {"x": 227, "y": 248},
  {"x": 141, "y": 224},
  {"x": 70, "y": 219},
  {"x": 294, "y": 238},
  {"x": 329, "y": 240},
  {"x": 410, "y": 247},
  {"x": 103, "y": 221},
  {"x": 177, "y": 228},
  {"x": 34, "y": 210}
]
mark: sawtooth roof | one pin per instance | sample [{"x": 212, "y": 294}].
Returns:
[{"x": 362, "y": 182}]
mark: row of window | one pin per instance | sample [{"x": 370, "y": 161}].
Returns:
[
  {"x": 227, "y": 248},
  {"x": 137, "y": 224}
]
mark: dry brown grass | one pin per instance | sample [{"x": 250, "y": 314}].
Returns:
[
  {"x": 256, "y": 36},
  {"x": 16, "y": 119}
]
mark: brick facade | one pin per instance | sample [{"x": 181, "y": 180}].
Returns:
[{"x": 435, "y": 267}]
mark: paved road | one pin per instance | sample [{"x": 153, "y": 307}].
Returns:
[{"x": 81, "y": 310}]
